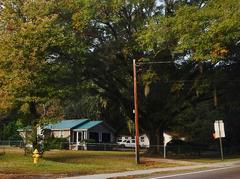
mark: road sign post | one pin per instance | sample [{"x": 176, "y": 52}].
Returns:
[
  {"x": 166, "y": 138},
  {"x": 219, "y": 133}
]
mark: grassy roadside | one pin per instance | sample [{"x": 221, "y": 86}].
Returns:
[
  {"x": 73, "y": 162},
  {"x": 214, "y": 159},
  {"x": 68, "y": 163}
]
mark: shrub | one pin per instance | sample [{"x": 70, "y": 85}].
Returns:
[{"x": 56, "y": 143}]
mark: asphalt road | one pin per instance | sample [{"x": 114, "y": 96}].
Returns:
[{"x": 232, "y": 172}]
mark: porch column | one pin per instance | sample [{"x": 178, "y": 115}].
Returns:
[
  {"x": 100, "y": 136},
  {"x": 82, "y": 135},
  {"x": 69, "y": 138},
  {"x": 77, "y": 138},
  {"x": 86, "y": 135}
]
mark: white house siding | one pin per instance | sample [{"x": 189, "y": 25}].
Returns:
[
  {"x": 61, "y": 133},
  {"x": 23, "y": 134}
]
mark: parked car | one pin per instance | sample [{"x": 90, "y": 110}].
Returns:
[
  {"x": 121, "y": 142},
  {"x": 130, "y": 143},
  {"x": 30, "y": 146}
]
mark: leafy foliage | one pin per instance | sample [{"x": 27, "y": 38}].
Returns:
[{"x": 73, "y": 59}]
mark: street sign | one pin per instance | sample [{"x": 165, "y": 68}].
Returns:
[
  {"x": 219, "y": 133},
  {"x": 219, "y": 129},
  {"x": 166, "y": 138}
]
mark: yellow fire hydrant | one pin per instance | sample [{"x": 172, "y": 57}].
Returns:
[{"x": 35, "y": 156}]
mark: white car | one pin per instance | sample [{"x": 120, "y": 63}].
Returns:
[
  {"x": 130, "y": 143},
  {"x": 30, "y": 146},
  {"x": 121, "y": 142},
  {"x": 126, "y": 142}
]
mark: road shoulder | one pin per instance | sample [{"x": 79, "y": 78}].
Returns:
[{"x": 156, "y": 170}]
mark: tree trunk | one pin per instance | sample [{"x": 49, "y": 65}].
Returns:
[
  {"x": 34, "y": 122},
  {"x": 156, "y": 141}
]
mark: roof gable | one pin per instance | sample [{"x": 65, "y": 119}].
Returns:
[{"x": 66, "y": 124}]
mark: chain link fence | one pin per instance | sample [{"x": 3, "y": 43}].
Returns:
[
  {"x": 178, "y": 150},
  {"x": 6, "y": 145},
  {"x": 11, "y": 143}
]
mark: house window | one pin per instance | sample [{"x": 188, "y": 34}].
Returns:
[
  {"x": 94, "y": 136},
  {"x": 106, "y": 137}
]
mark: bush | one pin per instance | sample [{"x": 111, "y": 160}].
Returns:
[{"x": 56, "y": 143}]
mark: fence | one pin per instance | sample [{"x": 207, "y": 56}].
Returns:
[
  {"x": 178, "y": 150},
  {"x": 11, "y": 143},
  {"x": 5, "y": 145}
]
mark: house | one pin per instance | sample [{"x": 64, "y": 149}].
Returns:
[
  {"x": 79, "y": 131},
  {"x": 24, "y": 132}
]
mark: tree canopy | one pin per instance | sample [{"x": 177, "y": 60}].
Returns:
[{"x": 68, "y": 58}]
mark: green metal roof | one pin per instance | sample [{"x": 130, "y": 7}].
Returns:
[
  {"x": 67, "y": 124},
  {"x": 71, "y": 124},
  {"x": 88, "y": 125},
  {"x": 27, "y": 128}
]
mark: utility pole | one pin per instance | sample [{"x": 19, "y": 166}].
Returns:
[
  {"x": 137, "y": 157},
  {"x": 220, "y": 136}
]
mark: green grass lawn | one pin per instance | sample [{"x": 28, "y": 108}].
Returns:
[
  {"x": 216, "y": 160},
  {"x": 207, "y": 158},
  {"x": 73, "y": 162}
]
